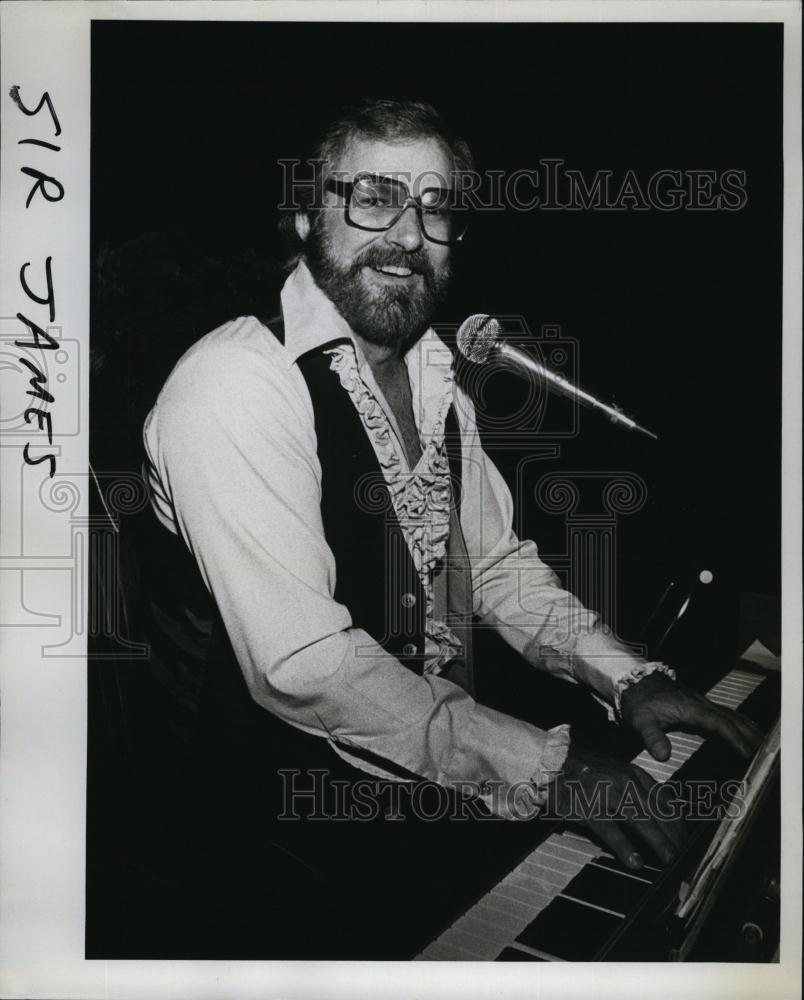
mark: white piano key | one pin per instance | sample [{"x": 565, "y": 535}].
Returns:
[
  {"x": 659, "y": 772},
  {"x": 735, "y": 689},
  {"x": 525, "y": 913},
  {"x": 676, "y": 761},
  {"x": 534, "y": 874},
  {"x": 580, "y": 846},
  {"x": 493, "y": 932},
  {"x": 531, "y": 893},
  {"x": 648, "y": 768},
  {"x": 553, "y": 863},
  {"x": 548, "y": 878},
  {"x": 543, "y": 875},
  {"x": 583, "y": 843},
  {"x": 665, "y": 769},
  {"x": 740, "y": 677},
  {"x": 685, "y": 741},
  {"x": 723, "y": 694},
  {"x": 487, "y": 916},
  {"x": 444, "y": 951},
  {"x": 499, "y": 898},
  {"x": 481, "y": 949},
  {"x": 540, "y": 885},
  {"x": 725, "y": 703},
  {"x": 521, "y": 893},
  {"x": 520, "y": 912},
  {"x": 724, "y": 698},
  {"x": 560, "y": 852},
  {"x": 542, "y": 856}
]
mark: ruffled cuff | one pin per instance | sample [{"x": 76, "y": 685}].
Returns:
[
  {"x": 526, "y": 799},
  {"x": 633, "y": 677},
  {"x": 555, "y": 753}
]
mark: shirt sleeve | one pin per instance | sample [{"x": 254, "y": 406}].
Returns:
[
  {"x": 234, "y": 471},
  {"x": 517, "y": 593}
]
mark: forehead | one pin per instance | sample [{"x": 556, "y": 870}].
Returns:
[{"x": 410, "y": 160}]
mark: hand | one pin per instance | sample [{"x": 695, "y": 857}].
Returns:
[
  {"x": 657, "y": 704},
  {"x": 619, "y": 803}
]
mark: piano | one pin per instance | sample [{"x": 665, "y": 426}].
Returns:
[
  {"x": 569, "y": 900},
  {"x": 170, "y": 877}
]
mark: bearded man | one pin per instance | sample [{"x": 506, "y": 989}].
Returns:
[{"x": 326, "y": 474}]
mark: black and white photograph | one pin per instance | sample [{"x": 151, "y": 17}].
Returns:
[{"x": 430, "y": 563}]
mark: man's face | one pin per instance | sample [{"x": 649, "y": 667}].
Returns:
[{"x": 385, "y": 284}]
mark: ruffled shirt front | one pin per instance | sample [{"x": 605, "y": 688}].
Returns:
[{"x": 421, "y": 496}]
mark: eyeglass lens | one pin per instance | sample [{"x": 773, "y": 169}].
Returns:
[{"x": 377, "y": 202}]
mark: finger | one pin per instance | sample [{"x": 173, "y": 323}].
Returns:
[
  {"x": 660, "y": 807},
  {"x": 656, "y": 743},
  {"x": 751, "y": 732},
  {"x": 652, "y": 833},
  {"x": 663, "y": 836},
  {"x": 717, "y": 722},
  {"x": 634, "y": 809},
  {"x": 644, "y": 779},
  {"x": 620, "y": 846},
  {"x": 668, "y": 815}
]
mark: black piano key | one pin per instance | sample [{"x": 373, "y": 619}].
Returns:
[
  {"x": 608, "y": 888},
  {"x": 649, "y": 872},
  {"x": 515, "y": 955},
  {"x": 569, "y": 930}
]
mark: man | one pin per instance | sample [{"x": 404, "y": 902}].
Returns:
[{"x": 326, "y": 473}]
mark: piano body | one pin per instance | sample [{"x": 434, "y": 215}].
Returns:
[{"x": 569, "y": 900}]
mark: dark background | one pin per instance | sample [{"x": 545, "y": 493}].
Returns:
[
  {"x": 677, "y": 315},
  {"x": 677, "y": 318}
]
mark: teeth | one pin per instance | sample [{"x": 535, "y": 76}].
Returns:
[{"x": 402, "y": 272}]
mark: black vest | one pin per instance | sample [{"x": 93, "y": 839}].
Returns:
[{"x": 375, "y": 575}]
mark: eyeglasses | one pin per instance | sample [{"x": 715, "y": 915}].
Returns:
[{"x": 375, "y": 203}]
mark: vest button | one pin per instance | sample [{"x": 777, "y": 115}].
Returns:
[
  {"x": 408, "y": 600},
  {"x": 409, "y": 649}
]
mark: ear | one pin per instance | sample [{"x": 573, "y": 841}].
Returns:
[{"x": 301, "y": 223}]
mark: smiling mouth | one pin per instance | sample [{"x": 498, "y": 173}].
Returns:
[{"x": 394, "y": 271}]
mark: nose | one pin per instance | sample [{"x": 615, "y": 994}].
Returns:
[{"x": 406, "y": 232}]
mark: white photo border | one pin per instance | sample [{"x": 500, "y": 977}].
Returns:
[{"x": 46, "y": 48}]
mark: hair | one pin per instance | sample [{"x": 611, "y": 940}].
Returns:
[{"x": 369, "y": 118}]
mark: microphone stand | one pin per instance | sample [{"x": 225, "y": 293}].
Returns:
[{"x": 519, "y": 359}]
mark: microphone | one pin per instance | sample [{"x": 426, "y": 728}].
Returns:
[{"x": 480, "y": 341}]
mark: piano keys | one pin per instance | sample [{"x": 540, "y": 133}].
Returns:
[{"x": 568, "y": 880}]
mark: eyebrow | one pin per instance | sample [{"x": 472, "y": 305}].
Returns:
[{"x": 396, "y": 180}]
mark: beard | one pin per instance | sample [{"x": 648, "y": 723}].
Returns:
[{"x": 396, "y": 315}]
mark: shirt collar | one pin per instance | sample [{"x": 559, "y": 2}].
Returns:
[{"x": 312, "y": 321}]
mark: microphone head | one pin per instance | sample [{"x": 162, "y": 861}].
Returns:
[{"x": 477, "y": 336}]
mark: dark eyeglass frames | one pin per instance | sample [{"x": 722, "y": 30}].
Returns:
[{"x": 375, "y": 203}]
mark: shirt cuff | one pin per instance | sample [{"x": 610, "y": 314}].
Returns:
[
  {"x": 516, "y": 763},
  {"x": 633, "y": 677},
  {"x": 526, "y": 799},
  {"x": 551, "y": 764},
  {"x": 608, "y": 668}
]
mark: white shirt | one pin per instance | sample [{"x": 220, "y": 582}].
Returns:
[{"x": 233, "y": 469}]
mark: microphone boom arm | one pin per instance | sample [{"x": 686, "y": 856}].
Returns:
[{"x": 520, "y": 359}]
